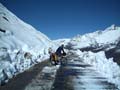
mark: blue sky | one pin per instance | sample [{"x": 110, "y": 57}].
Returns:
[{"x": 66, "y": 18}]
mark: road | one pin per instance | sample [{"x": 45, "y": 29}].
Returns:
[{"x": 75, "y": 75}]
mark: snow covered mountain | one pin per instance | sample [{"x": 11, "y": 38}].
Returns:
[
  {"x": 109, "y": 36},
  {"x": 107, "y": 40},
  {"x": 21, "y": 45},
  {"x": 19, "y": 33}
]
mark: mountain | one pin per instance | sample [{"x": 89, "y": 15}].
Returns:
[
  {"x": 21, "y": 45},
  {"x": 14, "y": 33},
  {"x": 107, "y": 40},
  {"x": 97, "y": 39}
]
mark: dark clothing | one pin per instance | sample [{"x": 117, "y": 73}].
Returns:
[{"x": 60, "y": 51}]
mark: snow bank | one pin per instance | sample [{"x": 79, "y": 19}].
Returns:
[
  {"x": 21, "y": 45},
  {"x": 15, "y": 62},
  {"x": 107, "y": 67}
]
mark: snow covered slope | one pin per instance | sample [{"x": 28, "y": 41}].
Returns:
[
  {"x": 97, "y": 39},
  {"x": 21, "y": 45},
  {"x": 16, "y": 33}
]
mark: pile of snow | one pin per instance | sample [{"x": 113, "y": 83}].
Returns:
[
  {"x": 109, "y": 36},
  {"x": 21, "y": 45},
  {"x": 107, "y": 67}
]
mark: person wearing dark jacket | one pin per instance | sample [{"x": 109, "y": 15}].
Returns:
[{"x": 60, "y": 51}]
